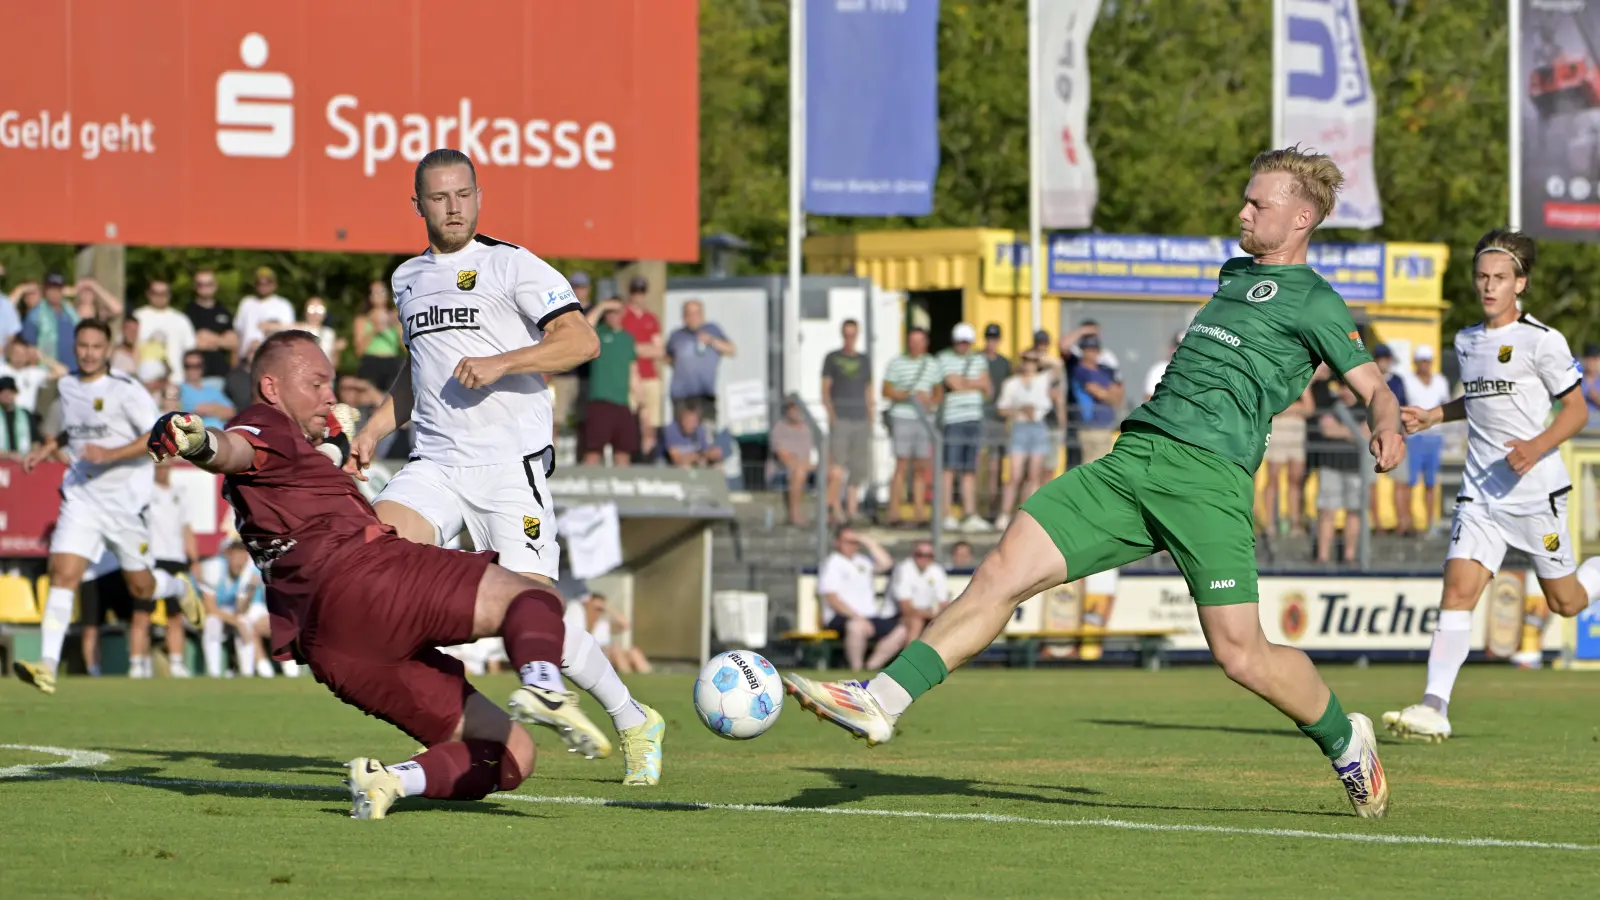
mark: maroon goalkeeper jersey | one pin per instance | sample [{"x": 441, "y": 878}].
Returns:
[{"x": 297, "y": 512}]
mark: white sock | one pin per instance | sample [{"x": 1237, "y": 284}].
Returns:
[
  {"x": 585, "y": 663},
  {"x": 140, "y": 667},
  {"x": 413, "y": 781},
  {"x": 53, "y": 631},
  {"x": 1451, "y": 641},
  {"x": 246, "y": 653},
  {"x": 264, "y": 668},
  {"x": 1589, "y": 577},
  {"x": 541, "y": 674},
  {"x": 889, "y": 694},
  {"x": 211, "y": 645},
  {"x": 1352, "y": 751},
  {"x": 167, "y": 585},
  {"x": 291, "y": 669}
]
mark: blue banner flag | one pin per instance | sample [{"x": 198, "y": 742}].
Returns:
[{"x": 872, "y": 107}]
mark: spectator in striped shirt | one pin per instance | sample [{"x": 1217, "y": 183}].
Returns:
[
  {"x": 966, "y": 383},
  {"x": 911, "y": 381}
]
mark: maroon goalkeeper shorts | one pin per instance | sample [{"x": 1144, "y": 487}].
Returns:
[{"x": 377, "y": 623}]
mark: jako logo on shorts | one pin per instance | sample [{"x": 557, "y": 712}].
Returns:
[{"x": 1223, "y": 583}]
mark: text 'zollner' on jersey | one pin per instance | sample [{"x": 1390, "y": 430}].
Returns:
[
  {"x": 1248, "y": 354},
  {"x": 487, "y": 298},
  {"x": 1511, "y": 377},
  {"x": 110, "y": 411}
]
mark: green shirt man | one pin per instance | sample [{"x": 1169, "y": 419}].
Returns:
[{"x": 609, "y": 373}]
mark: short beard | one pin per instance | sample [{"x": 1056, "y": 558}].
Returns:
[
  {"x": 1254, "y": 246},
  {"x": 437, "y": 238}
]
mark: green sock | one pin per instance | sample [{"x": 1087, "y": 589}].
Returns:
[
  {"x": 917, "y": 668},
  {"x": 1332, "y": 732}
]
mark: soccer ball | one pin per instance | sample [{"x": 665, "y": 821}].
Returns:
[{"x": 738, "y": 695}]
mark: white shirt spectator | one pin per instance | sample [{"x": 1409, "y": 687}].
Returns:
[
  {"x": 168, "y": 326},
  {"x": 850, "y": 578},
  {"x": 1033, "y": 393},
  {"x": 253, "y": 312},
  {"x": 1153, "y": 377},
  {"x": 1426, "y": 394},
  {"x": 29, "y": 379},
  {"x": 925, "y": 589}
]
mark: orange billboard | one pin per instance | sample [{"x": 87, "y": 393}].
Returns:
[{"x": 296, "y": 124}]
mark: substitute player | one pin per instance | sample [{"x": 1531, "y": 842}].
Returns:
[
  {"x": 365, "y": 608},
  {"x": 1513, "y": 369},
  {"x": 105, "y": 496},
  {"x": 1180, "y": 480},
  {"x": 484, "y": 322}
]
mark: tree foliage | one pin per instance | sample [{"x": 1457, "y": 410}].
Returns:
[{"x": 1179, "y": 105}]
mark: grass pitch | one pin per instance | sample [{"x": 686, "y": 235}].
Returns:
[{"x": 1000, "y": 784}]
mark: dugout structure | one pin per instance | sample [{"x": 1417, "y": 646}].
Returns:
[{"x": 667, "y": 517}]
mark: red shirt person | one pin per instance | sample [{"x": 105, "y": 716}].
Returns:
[{"x": 366, "y": 609}]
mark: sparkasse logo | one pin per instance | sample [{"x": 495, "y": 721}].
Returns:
[{"x": 255, "y": 115}]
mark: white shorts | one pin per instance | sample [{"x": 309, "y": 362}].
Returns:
[
  {"x": 1482, "y": 533},
  {"x": 86, "y": 529},
  {"x": 506, "y": 508}
]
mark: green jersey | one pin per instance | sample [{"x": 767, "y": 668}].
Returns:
[{"x": 1249, "y": 353}]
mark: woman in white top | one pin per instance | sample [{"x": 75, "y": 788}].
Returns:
[
  {"x": 1025, "y": 400},
  {"x": 1514, "y": 369}
]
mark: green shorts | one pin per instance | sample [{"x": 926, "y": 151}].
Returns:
[{"x": 1153, "y": 493}]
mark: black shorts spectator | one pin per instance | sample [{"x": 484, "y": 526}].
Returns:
[
  {"x": 881, "y": 626},
  {"x": 609, "y": 423}
]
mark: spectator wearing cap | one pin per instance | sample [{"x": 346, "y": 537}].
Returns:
[
  {"x": 847, "y": 397},
  {"x": 911, "y": 383},
  {"x": 966, "y": 384},
  {"x": 161, "y": 323},
  {"x": 996, "y": 437},
  {"x": 19, "y": 428},
  {"x": 650, "y": 346},
  {"x": 608, "y": 418},
  {"x": 49, "y": 325},
  {"x": 263, "y": 312},
  {"x": 846, "y": 583},
  {"x": 1427, "y": 388},
  {"x": 1400, "y": 476},
  {"x": 213, "y": 325},
  {"x": 1099, "y": 396},
  {"x": 1072, "y": 346},
  {"x": 696, "y": 351},
  {"x": 791, "y": 445}
]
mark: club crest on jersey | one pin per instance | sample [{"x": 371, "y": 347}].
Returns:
[
  {"x": 467, "y": 280},
  {"x": 530, "y": 527},
  {"x": 144, "y": 546},
  {"x": 1505, "y": 353},
  {"x": 1262, "y": 292},
  {"x": 99, "y": 404},
  {"x": 1552, "y": 542}
]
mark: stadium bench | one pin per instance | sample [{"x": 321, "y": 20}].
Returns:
[
  {"x": 17, "y": 603},
  {"x": 815, "y": 647},
  {"x": 1151, "y": 644}
]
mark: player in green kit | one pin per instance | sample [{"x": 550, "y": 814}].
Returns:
[{"x": 1180, "y": 479}]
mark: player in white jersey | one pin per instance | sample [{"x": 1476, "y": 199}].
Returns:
[
  {"x": 484, "y": 322},
  {"x": 1513, "y": 370},
  {"x": 105, "y": 494}
]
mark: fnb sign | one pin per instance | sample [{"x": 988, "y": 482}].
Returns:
[{"x": 1412, "y": 266}]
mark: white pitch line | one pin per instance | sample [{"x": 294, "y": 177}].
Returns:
[
  {"x": 74, "y": 759},
  {"x": 995, "y": 818}
]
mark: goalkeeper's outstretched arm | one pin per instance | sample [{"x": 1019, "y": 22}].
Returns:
[{"x": 184, "y": 435}]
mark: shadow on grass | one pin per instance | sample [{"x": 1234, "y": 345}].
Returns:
[
  {"x": 851, "y": 785},
  {"x": 252, "y": 762},
  {"x": 1183, "y": 726}
]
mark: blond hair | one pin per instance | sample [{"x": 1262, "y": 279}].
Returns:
[
  {"x": 1514, "y": 244},
  {"x": 1316, "y": 176}
]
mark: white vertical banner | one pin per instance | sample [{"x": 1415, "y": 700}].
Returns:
[
  {"x": 1323, "y": 87},
  {"x": 1070, "y": 189}
]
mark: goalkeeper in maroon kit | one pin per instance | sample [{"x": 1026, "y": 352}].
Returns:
[{"x": 364, "y": 608}]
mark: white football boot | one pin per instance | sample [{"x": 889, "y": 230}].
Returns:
[{"x": 1418, "y": 723}]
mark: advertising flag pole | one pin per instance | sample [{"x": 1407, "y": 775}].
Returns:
[
  {"x": 1514, "y": 117},
  {"x": 1280, "y": 78},
  {"x": 1036, "y": 259}
]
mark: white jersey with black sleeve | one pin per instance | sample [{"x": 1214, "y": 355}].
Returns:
[
  {"x": 1511, "y": 377},
  {"x": 489, "y": 297},
  {"x": 110, "y": 411}
]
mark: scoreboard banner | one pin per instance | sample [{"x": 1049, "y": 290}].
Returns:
[{"x": 296, "y": 124}]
